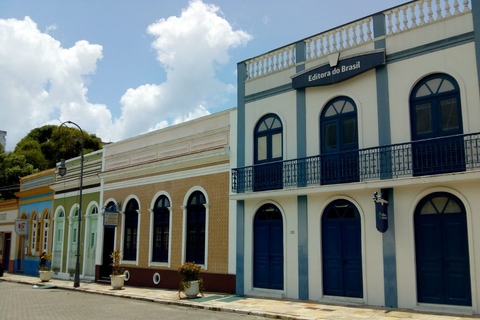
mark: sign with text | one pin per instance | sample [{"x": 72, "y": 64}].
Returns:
[
  {"x": 111, "y": 218},
  {"x": 345, "y": 69},
  {"x": 381, "y": 214},
  {"x": 21, "y": 227}
]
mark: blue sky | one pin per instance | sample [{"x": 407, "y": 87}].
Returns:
[{"x": 121, "y": 68}]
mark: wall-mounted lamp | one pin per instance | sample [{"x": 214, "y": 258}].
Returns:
[
  {"x": 381, "y": 212},
  {"x": 62, "y": 170}
]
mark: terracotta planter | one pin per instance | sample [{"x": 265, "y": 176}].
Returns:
[
  {"x": 45, "y": 276},
  {"x": 193, "y": 289},
  {"x": 117, "y": 281}
]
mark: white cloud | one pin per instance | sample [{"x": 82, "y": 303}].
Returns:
[
  {"x": 49, "y": 28},
  {"x": 191, "y": 49},
  {"x": 41, "y": 82}
]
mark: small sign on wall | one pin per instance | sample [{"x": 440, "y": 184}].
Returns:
[
  {"x": 21, "y": 227},
  {"x": 111, "y": 218}
]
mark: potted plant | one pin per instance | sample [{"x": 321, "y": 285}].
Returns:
[
  {"x": 44, "y": 269},
  {"x": 191, "y": 284},
  {"x": 117, "y": 278}
]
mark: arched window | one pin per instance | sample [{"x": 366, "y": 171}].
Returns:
[
  {"x": 268, "y": 139},
  {"x": 46, "y": 231},
  {"x": 339, "y": 141},
  {"x": 196, "y": 220},
  {"x": 436, "y": 112},
  {"x": 34, "y": 234},
  {"x": 161, "y": 229},
  {"x": 94, "y": 210},
  {"x": 130, "y": 231},
  {"x": 268, "y": 148},
  {"x": 74, "y": 225}
]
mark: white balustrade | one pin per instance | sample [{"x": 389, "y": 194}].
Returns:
[
  {"x": 422, "y": 12},
  {"x": 399, "y": 19},
  {"x": 344, "y": 37},
  {"x": 274, "y": 61}
]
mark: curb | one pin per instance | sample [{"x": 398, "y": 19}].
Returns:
[{"x": 179, "y": 303}]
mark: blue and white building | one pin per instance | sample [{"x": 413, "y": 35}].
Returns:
[
  {"x": 35, "y": 200},
  {"x": 388, "y": 104}
]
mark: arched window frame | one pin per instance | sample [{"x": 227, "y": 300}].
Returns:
[
  {"x": 46, "y": 224},
  {"x": 334, "y": 111},
  {"x": 130, "y": 256},
  {"x": 185, "y": 217},
  {"x": 270, "y": 129},
  {"x": 34, "y": 234},
  {"x": 152, "y": 210},
  {"x": 433, "y": 89}
]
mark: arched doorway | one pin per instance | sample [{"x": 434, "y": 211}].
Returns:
[
  {"x": 91, "y": 239},
  {"x": 441, "y": 243},
  {"x": 342, "y": 250},
  {"x": 108, "y": 244},
  {"x": 58, "y": 242},
  {"x": 73, "y": 237},
  {"x": 268, "y": 248}
]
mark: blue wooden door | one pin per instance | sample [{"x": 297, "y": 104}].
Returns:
[
  {"x": 339, "y": 142},
  {"x": 268, "y": 170},
  {"x": 342, "y": 250},
  {"x": 442, "y": 259},
  {"x": 436, "y": 113},
  {"x": 268, "y": 248}
]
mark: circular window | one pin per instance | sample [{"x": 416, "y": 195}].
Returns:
[
  {"x": 127, "y": 275},
  {"x": 156, "y": 278}
]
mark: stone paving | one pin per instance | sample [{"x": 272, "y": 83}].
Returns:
[{"x": 269, "y": 308}]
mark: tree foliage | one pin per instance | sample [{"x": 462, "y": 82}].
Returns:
[
  {"x": 12, "y": 168},
  {"x": 39, "y": 150},
  {"x": 45, "y": 146}
]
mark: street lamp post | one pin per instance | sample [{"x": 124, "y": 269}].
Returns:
[{"x": 62, "y": 170}]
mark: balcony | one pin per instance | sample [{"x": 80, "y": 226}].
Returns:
[{"x": 419, "y": 158}]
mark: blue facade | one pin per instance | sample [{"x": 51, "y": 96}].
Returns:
[
  {"x": 35, "y": 205},
  {"x": 31, "y": 262}
]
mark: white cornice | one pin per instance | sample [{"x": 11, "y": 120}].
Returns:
[
  {"x": 157, "y": 167},
  {"x": 76, "y": 193},
  {"x": 75, "y": 183},
  {"x": 204, "y": 171}
]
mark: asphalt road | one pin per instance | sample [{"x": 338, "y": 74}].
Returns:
[{"x": 21, "y": 302}]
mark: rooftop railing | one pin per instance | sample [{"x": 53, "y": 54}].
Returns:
[{"x": 399, "y": 19}]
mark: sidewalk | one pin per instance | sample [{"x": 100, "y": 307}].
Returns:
[{"x": 269, "y": 308}]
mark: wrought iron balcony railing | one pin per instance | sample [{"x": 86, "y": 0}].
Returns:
[{"x": 418, "y": 158}]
